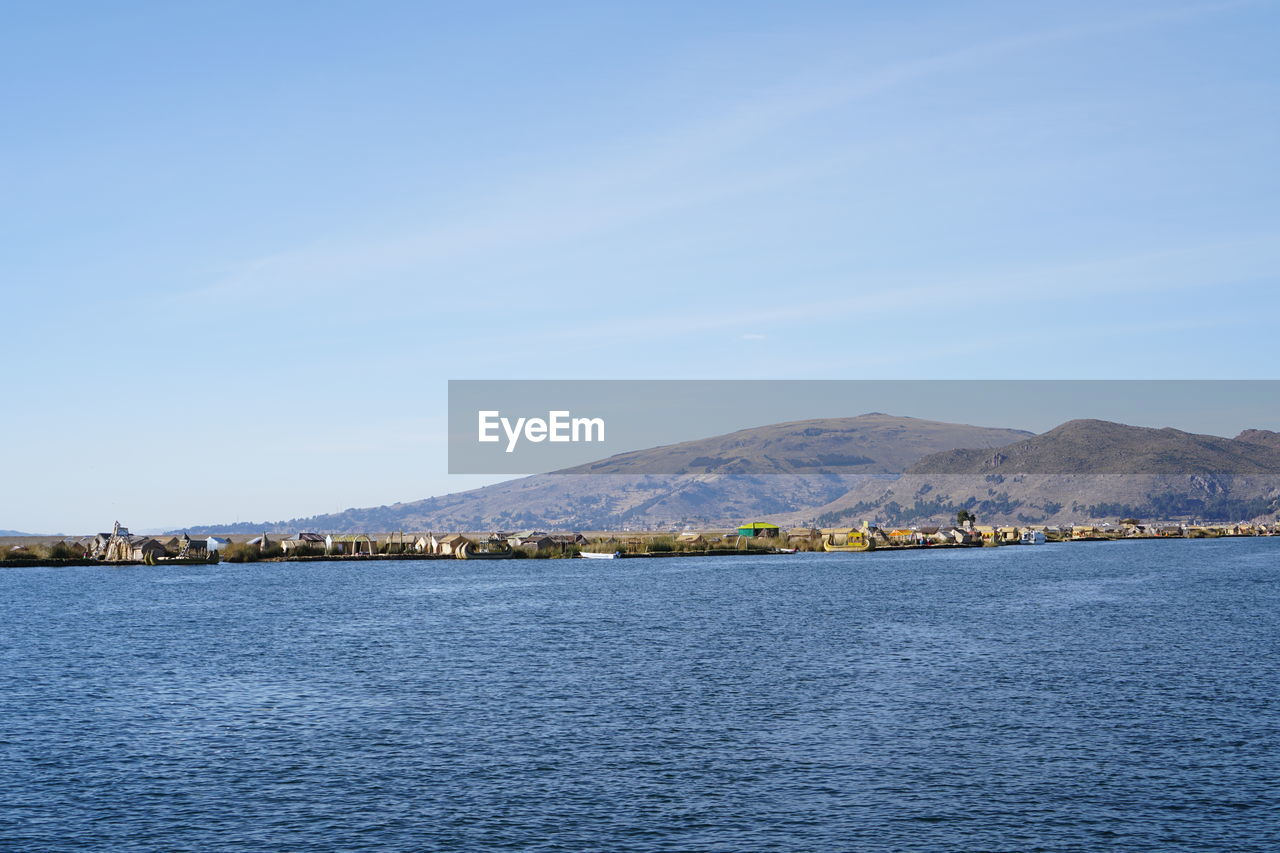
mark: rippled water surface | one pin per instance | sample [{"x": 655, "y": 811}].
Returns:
[{"x": 1089, "y": 696}]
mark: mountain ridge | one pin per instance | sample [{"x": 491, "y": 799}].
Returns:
[
  {"x": 1081, "y": 470},
  {"x": 760, "y": 471},
  {"x": 1090, "y": 446}
]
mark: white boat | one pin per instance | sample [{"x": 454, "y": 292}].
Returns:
[
  {"x": 1031, "y": 537},
  {"x": 787, "y": 550},
  {"x": 591, "y": 555}
]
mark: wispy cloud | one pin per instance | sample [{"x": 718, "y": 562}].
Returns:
[
  {"x": 980, "y": 355},
  {"x": 1167, "y": 272},
  {"x": 660, "y": 175}
]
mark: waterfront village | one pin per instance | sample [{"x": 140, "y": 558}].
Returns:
[{"x": 122, "y": 547}]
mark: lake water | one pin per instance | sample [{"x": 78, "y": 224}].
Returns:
[{"x": 1090, "y": 696}]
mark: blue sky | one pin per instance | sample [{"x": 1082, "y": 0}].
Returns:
[{"x": 246, "y": 245}]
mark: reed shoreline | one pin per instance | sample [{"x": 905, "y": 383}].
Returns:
[{"x": 84, "y": 562}]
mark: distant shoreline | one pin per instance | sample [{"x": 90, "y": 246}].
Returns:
[{"x": 84, "y": 562}]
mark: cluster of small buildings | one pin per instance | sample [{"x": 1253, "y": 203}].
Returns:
[
  {"x": 979, "y": 534},
  {"x": 121, "y": 546},
  {"x": 1162, "y": 530},
  {"x": 808, "y": 538},
  {"x": 315, "y": 544},
  {"x": 749, "y": 531},
  {"x": 874, "y": 536},
  {"x": 431, "y": 544}
]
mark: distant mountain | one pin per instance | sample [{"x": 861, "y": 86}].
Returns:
[
  {"x": 1264, "y": 437},
  {"x": 15, "y": 533},
  {"x": 1103, "y": 447},
  {"x": 1082, "y": 470},
  {"x": 874, "y": 443},
  {"x": 780, "y": 468}
]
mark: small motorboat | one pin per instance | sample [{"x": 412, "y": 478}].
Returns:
[
  {"x": 788, "y": 550},
  {"x": 592, "y": 555}
]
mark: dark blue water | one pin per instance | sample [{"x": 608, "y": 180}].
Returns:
[{"x": 1068, "y": 697}]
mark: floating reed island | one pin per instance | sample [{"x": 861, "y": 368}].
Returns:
[{"x": 120, "y": 547}]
